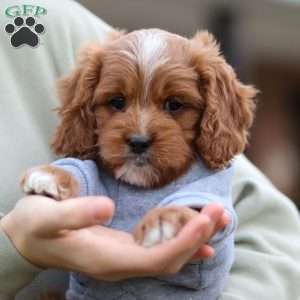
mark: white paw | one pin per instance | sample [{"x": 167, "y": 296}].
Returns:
[
  {"x": 162, "y": 224},
  {"x": 40, "y": 182},
  {"x": 158, "y": 234}
]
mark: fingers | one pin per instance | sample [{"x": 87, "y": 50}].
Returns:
[
  {"x": 203, "y": 252},
  {"x": 206, "y": 251},
  {"x": 166, "y": 258},
  {"x": 76, "y": 213},
  {"x": 214, "y": 211},
  {"x": 171, "y": 255},
  {"x": 200, "y": 229},
  {"x": 225, "y": 220},
  {"x": 222, "y": 220},
  {"x": 217, "y": 213},
  {"x": 192, "y": 237}
]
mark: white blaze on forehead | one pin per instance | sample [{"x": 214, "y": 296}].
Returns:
[
  {"x": 149, "y": 49},
  {"x": 151, "y": 54}
]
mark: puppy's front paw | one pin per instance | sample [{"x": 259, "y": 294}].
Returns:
[
  {"x": 162, "y": 224},
  {"x": 50, "y": 181}
]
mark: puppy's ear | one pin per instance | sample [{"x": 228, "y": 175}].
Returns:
[
  {"x": 228, "y": 104},
  {"x": 75, "y": 134}
]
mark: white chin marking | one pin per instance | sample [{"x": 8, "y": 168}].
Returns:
[
  {"x": 132, "y": 174},
  {"x": 159, "y": 234},
  {"x": 40, "y": 182}
]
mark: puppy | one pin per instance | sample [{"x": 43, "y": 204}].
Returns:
[{"x": 153, "y": 120}]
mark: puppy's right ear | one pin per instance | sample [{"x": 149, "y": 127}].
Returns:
[{"x": 75, "y": 134}]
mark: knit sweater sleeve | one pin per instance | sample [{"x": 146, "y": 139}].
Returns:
[
  {"x": 208, "y": 188},
  {"x": 15, "y": 271},
  {"x": 87, "y": 174}
]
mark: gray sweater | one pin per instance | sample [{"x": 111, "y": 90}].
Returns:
[{"x": 204, "y": 280}]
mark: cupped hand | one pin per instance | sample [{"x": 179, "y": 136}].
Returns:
[{"x": 67, "y": 235}]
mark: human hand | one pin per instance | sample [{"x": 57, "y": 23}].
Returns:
[{"x": 66, "y": 235}]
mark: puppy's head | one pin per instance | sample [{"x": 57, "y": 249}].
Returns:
[{"x": 146, "y": 102}]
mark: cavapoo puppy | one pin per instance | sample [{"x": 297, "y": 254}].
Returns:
[{"x": 153, "y": 120}]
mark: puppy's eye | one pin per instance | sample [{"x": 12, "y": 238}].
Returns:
[
  {"x": 172, "y": 104},
  {"x": 117, "y": 103}
]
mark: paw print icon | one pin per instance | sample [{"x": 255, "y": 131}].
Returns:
[{"x": 24, "y": 32}]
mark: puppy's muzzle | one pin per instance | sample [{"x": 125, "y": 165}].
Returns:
[{"x": 139, "y": 144}]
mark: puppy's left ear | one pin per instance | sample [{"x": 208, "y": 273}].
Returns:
[{"x": 228, "y": 104}]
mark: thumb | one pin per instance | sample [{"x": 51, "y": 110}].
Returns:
[
  {"x": 77, "y": 213},
  {"x": 177, "y": 251},
  {"x": 192, "y": 236}
]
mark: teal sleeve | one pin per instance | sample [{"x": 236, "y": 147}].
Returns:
[
  {"x": 267, "y": 242},
  {"x": 27, "y": 119},
  {"x": 15, "y": 271}
]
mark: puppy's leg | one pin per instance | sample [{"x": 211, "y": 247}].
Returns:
[
  {"x": 50, "y": 181},
  {"x": 162, "y": 224}
]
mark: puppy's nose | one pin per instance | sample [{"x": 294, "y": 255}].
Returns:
[{"x": 139, "y": 143}]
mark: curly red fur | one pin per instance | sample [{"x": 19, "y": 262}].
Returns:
[
  {"x": 75, "y": 134},
  {"x": 214, "y": 123},
  {"x": 229, "y": 104}
]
